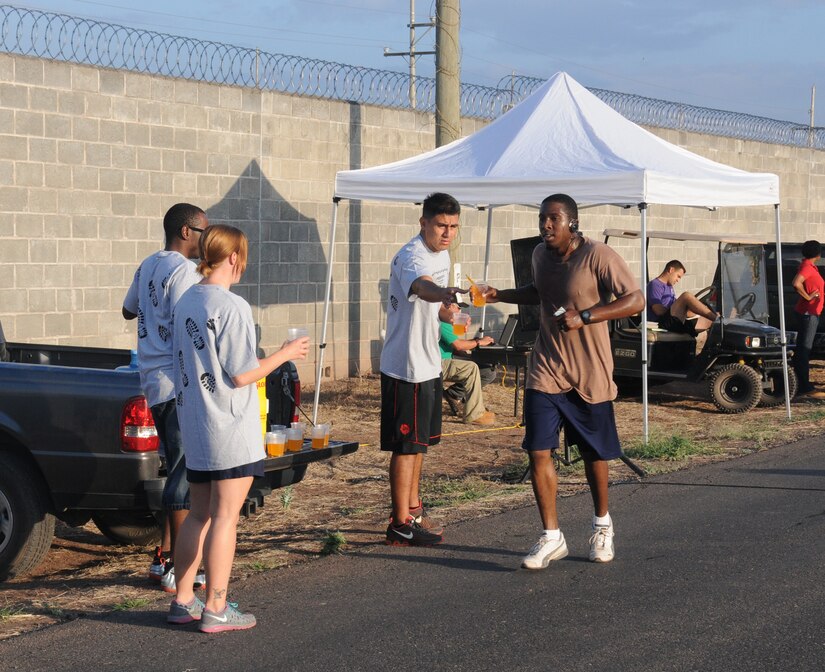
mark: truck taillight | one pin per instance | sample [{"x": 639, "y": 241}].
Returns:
[
  {"x": 137, "y": 427},
  {"x": 297, "y": 394}
]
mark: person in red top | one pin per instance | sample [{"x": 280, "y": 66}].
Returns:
[{"x": 809, "y": 284}]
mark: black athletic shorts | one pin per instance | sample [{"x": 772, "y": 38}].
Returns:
[
  {"x": 670, "y": 323},
  {"x": 410, "y": 415}
]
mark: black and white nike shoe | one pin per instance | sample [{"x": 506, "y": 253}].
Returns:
[{"x": 411, "y": 534}]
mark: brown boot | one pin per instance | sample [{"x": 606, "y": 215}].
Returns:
[{"x": 487, "y": 418}]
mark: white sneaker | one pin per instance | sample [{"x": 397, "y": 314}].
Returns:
[
  {"x": 544, "y": 551},
  {"x": 169, "y": 585},
  {"x": 601, "y": 544}
]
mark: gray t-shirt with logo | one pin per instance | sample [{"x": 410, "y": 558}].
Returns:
[
  {"x": 158, "y": 284},
  {"x": 411, "y": 351},
  {"x": 214, "y": 340}
]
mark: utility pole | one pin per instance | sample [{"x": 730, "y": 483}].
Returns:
[
  {"x": 447, "y": 72},
  {"x": 811, "y": 123},
  {"x": 412, "y": 53}
]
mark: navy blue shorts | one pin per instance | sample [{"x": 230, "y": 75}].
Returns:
[
  {"x": 410, "y": 415},
  {"x": 589, "y": 427},
  {"x": 176, "y": 490},
  {"x": 243, "y": 471}
]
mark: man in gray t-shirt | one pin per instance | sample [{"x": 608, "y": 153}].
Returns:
[
  {"x": 411, "y": 365},
  {"x": 159, "y": 282}
]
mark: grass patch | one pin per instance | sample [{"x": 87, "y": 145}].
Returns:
[
  {"x": 674, "y": 447},
  {"x": 286, "y": 496},
  {"x": 446, "y": 491},
  {"x": 333, "y": 542},
  {"x": 131, "y": 603},
  {"x": 811, "y": 416},
  {"x": 352, "y": 510},
  {"x": 11, "y": 611},
  {"x": 263, "y": 565},
  {"x": 513, "y": 473}
]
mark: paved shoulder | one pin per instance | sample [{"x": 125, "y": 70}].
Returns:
[{"x": 717, "y": 568}]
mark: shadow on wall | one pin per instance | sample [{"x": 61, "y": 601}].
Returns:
[{"x": 287, "y": 261}]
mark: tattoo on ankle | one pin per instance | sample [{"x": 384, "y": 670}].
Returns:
[{"x": 219, "y": 593}]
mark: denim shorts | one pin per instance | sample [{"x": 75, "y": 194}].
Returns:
[
  {"x": 589, "y": 427},
  {"x": 176, "y": 491}
]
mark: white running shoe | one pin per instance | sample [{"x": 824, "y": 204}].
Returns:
[
  {"x": 169, "y": 584},
  {"x": 601, "y": 544},
  {"x": 544, "y": 551}
]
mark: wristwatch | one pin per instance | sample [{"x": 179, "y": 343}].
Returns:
[{"x": 585, "y": 315}]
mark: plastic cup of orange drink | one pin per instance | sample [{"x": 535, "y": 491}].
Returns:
[
  {"x": 275, "y": 443},
  {"x": 317, "y": 435},
  {"x": 460, "y": 323},
  {"x": 477, "y": 290},
  {"x": 294, "y": 440}
]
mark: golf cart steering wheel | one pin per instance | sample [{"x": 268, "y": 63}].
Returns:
[
  {"x": 704, "y": 295},
  {"x": 745, "y": 304}
]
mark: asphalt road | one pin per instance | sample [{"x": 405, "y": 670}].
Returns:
[{"x": 718, "y": 568}]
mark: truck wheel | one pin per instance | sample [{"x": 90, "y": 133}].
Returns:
[
  {"x": 136, "y": 528},
  {"x": 776, "y": 394},
  {"x": 26, "y": 526},
  {"x": 735, "y": 388}
]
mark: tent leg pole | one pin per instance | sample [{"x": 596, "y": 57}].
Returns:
[
  {"x": 643, "y": 349},
  {"x": 487, "y": 263},
  {"x": 781, "y": 293},
  {"x": 323, "y": 340}
]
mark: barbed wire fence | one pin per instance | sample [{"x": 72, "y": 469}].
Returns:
[{"x": 61, "y": 37}]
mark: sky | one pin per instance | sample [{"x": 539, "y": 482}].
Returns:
[{"x": 760, "y": 57}]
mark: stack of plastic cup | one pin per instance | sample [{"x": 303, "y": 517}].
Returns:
[
  {"x": 296, "y": 332},
  {"x": 275, "y": 443}
]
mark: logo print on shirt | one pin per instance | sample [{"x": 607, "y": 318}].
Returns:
[
  {"x": 210, "y": 324},
  {"x": 164, "y": 333},
  {"x": 394, "y": 302},
  {"x": 164, "y": 282},
  {"x": 141, "y": 329},
  {"x": 180, "y": 399},
  {"x": 195, "y": 334},
  {"x": 183, "y": 377},
  {"x": 153, "y": 295},
  {"x": 404, "y": 428},
  {"x": 208, "y": 382}
]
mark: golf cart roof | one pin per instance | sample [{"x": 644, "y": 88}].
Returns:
[{"x": 685, "y": 236}]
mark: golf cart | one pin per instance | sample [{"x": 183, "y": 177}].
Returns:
[{"x": 742, "y": 357}]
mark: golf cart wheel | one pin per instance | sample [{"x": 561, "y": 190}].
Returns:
[
  {"x": 735, "y": 388},
  {"x": 775, "y": 394}
]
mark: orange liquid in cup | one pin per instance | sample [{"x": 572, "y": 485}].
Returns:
[
  {"x": 317, "y": 442},
  {"x": 459, "y": 329},
  {"x": 294, "y": 445},
  {"x": 477, "y": 297},
  {"x": 275, "y": 449}
]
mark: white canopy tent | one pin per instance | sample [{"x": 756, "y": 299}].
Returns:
[{"x": 562, "y": 138}]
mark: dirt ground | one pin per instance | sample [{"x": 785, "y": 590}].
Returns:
[{"x": 343, "y": 504}]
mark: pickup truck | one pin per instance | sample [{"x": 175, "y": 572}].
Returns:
[{"x": 77, "y": 442}]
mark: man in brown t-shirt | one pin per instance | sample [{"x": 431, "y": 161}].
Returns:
[{"x": 580, "y": 284}]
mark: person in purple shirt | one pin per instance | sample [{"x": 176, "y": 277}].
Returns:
[{"x": 684, "y": 314}]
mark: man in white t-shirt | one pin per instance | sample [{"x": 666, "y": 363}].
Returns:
[
  {"x": 159, "y": 282},
  {"x": 411, "y": 387}
]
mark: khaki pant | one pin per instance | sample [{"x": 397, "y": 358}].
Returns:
[{"x": 465, "y": 372}]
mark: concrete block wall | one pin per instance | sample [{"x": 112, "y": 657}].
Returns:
[{"x": 90, "y": 159}]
